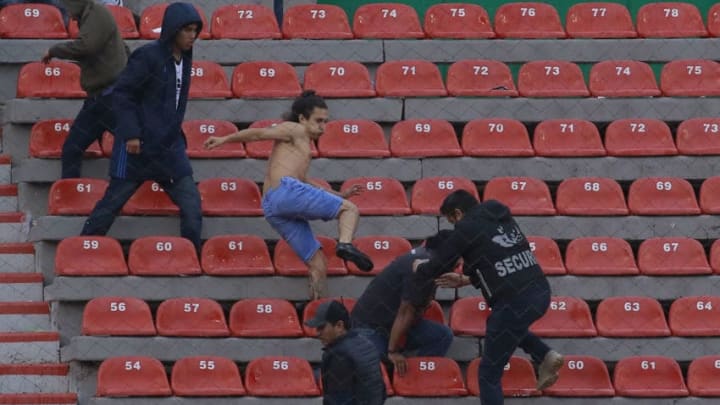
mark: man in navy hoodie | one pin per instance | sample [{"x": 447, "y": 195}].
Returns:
[{"x": 149, "y": 101}]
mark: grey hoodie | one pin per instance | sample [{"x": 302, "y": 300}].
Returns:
[{"x": 100, "y": 51}]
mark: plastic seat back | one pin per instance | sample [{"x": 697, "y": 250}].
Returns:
[
  {"x": 316, "y": 21},
  {"x": 480, "y": 78},
  {"x": 380, "y": 196},
  {"x": 548, "y": 256},
  {"x": 382, "y": 250},
  {"x": 236, "y": 255},
  {"x": 518, "y": 378},
  {"x": 639, "y": 137},
  {"x": 208, "y": 80},
  {"x": 197, "y": 131},
  {"x": 206, "y": 376},
  {"x": 566, "y": 317},
  {"x": 409, "y": 78},
  {"x": 75, "y": 196},
  {"x": 150, "y": 199},
  {"x": 695, "y": 316},
  {"x": 623, "y": 78},
  {"x": 117, "y": 316},
  {"x": 662, "y": 196},
  {"x": 598, "y": 256},
  {"x": 528, "y": 20},
  {"x": 468, "y": 316},
  {"x": 674, "y": 256},
  {"x": 163, "y": 256},
  {"x": 551, "y": 78},
  {"x": 386, "y": 21},
  {"x": 690, "y": 78},
  {"x": 424, "y": 138},
  {"x": 599, "y": 20},
  {"x": 57, "y": 79},
  {"x": 590, "y": 196},
  {"x": 42, "y": 21},
  {"x": 244, "y": 21},
  {"x": 276, "y": 376},
  {"x": 631, "y": 317},
  {"x": 649, "y": 376},
  {"x": 523, "y": 195},
  {"x": 430, "y": 376},
  {"x": 265, "y": 79},
  {"x": 353, "y": 139},
  {"x": 132, "y": 376},
  {"x": 703, "y": 376},
  {"x": 48, "y": 136},
  {"x": 230, "y": 197},
  {"x": 428, "y": 193},
  {"x": 264, "y": 317},
  {"x": 496, "y": 137},
  {"x": 90, "y": 256},
  {"x": 191, "y": 316},
  {"x": 457, "y": 21},
  {"x": 337, "y": 78},
  {"x": 287, "y": 262},
  {"x": 699, "y": 136},
  {"x": 670, "y": 20},
  {"x": 582, "y": 376},
  {"x": 567, "y": 137}
]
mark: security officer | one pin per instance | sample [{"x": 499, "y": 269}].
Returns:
[{"x": 498, "y": 261}]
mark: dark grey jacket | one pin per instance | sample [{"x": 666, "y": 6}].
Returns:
[
  {"x": 351, "y": 372},
  {"x": 100, "y": 51}
]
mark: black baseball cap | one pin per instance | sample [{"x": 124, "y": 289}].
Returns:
[{"x": 329, "y": 312}]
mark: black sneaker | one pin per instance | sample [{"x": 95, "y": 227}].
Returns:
[{"x": 348, "y": 252}]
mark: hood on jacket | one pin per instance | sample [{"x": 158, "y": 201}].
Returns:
[
  {"x": 76, "y": 7},
  {"x": 178, "y": 15},
  {"x": 494, "y": 209}
]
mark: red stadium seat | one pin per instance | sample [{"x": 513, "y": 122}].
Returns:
[
  {"x": 599, "y": 20},
  {"x": 713, "y": 17},
  {"x": 670, "y": 20},
  {"x": 434, "y": 312},
  {"x": 528, "y": 20},
  {"x": 424, "y": 138},
  {"x": 264, "y": 317},
  {"x": 590, "y": 196},
  {"x": 75, "y": 196},
  {"x": 547, "y": 253},
  {"x": 380, "y": 196},
  {"x": 518, "y": 379},
  {"x": 709, "y": 191},
  {"x": 649, "y": 376},
  {"x": 623, "y": 78},
  {"x": 265, "y": 79},
  {"x": 631, "y": 317},
  {"x": 480, "y": 78},
  {"x": 152, "y": 17},
  {"x": 468, "y": 316},
  {"x": 496, "y": 137},
  {"x": 106, "y": 144},
  {"x": 567, "y": 137},
  {"x": 337, "y": 78},
  {"x": 409, "y": 78},
  {"x": 90, "y": 256},
  {"x": 695, "y": 316},
  {"x": 208, "y": 80},
  {"x": 262, "y": 149},
  {"x": 703, "y": 377},
  {"x": 677, "y": 256},
  {"x": 191, "y": 317},
  {"x": 582, "y": 376},
  {"x": 230, "y": 197},
  {"x": 244, "y": 21},
  {"x": 698, "y": 136},
  {"x": 57, "y": 79},
  {"x": 311, "y": 308},
  {"x": 150, "y": 199},
  {"x": 287, "y": 262},
  {"x": 132, "y": 376},
  {"x": 123, "y": 18},
  {"x": 236, "y": 255},
  {"x": 430, "y": 376},
  {"x": 117, "y": 316},
  {"x": 386, "y": 21},
  {"x": 163, "y": 256},
  {"x": 715, "y": 256},
  {"x": 598, "y": 256},
  {"x": 206, "y": 376},
  {"x": 48, "y": 136},
  {"x": 639, "y": 137},
  {"x": 316, "y": 21},
  {"x": 690, "y": 78},
  {"x": 457, "y": 21},
  {"x": 197, "y": 131},
  {"x": 382, "y": 249},
  {"x": 662, "y": 196},
  {"x": 353, "y": 138},
  {"x": 42, "y": 21},
  {"x": 524, "y": 195},
  {"x": 280, "y": 377},
  {"x": 551, "y": 78},
  {"x": 566, "y": 317},
  {"x": 428, "y": 193}
]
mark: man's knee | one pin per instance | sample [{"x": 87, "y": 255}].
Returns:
[{"x": 350, "y": 207}]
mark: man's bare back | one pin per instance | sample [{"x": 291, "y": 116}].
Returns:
[{"x": 289, "y": 158}]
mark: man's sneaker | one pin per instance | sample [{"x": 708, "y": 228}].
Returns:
[
  {"x": 548, "y": 370},
  {"x": 348, "y": 252}
]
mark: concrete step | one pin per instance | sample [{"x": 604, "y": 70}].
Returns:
[
  {"x": 17, "y": 257},
  {"x": 13, "y": 226},
  {"x": 16, "y": 287},
  {"x": 33, "y": 378},
  {"x": 29, "y": 347},
  {"x": 8, "y": 197},
  {"x": 24, "y": 316},
  {"x": 5, "y": 169},
  {"x": 62, "y": 398}
]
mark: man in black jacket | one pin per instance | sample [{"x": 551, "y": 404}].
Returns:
[
  {"x": 350, "y": 372},
  {"x": 498, "y": 261}
]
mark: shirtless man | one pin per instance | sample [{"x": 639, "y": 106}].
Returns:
[{"x": 290, "y": 201}]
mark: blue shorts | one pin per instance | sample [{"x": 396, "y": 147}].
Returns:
[{"x": 290, "y": 206}]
